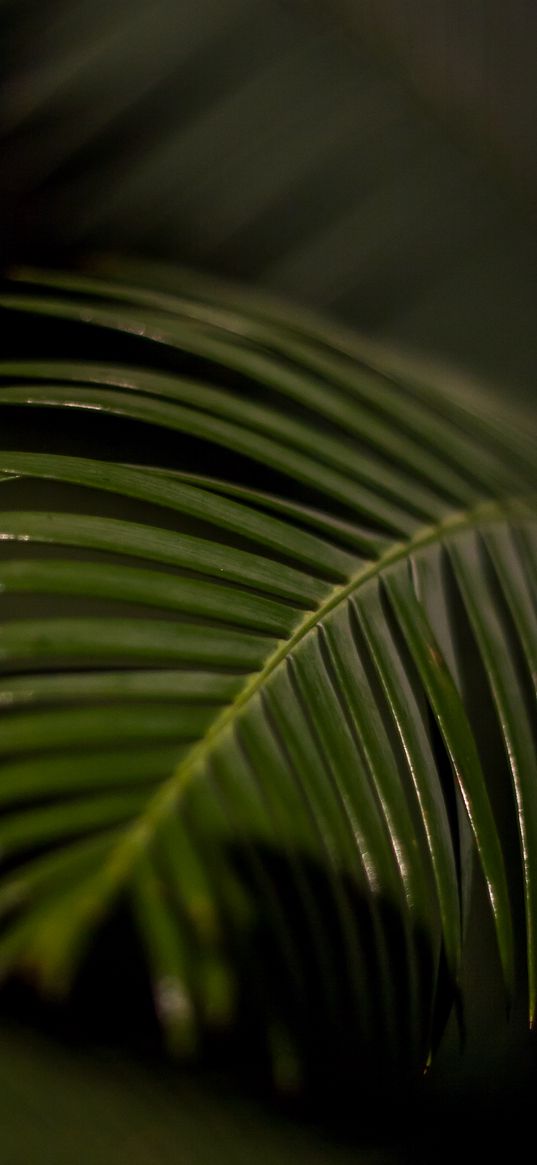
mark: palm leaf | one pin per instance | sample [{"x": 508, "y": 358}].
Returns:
[{"x": 243, "y": 688}]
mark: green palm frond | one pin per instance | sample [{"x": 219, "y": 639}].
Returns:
[{"x": 271, "y": 681}]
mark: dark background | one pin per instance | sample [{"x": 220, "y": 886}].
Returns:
[{"x": 376, "y": 158}]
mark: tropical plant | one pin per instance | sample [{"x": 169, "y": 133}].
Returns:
[{"x": 269, "y": 646}]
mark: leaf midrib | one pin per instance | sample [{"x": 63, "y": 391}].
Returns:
[
  {"x": 140, "y": 833},
  {"x": 485, "y": 512}
]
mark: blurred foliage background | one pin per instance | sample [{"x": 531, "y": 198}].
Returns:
[{"x": 374, "y": 158}]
